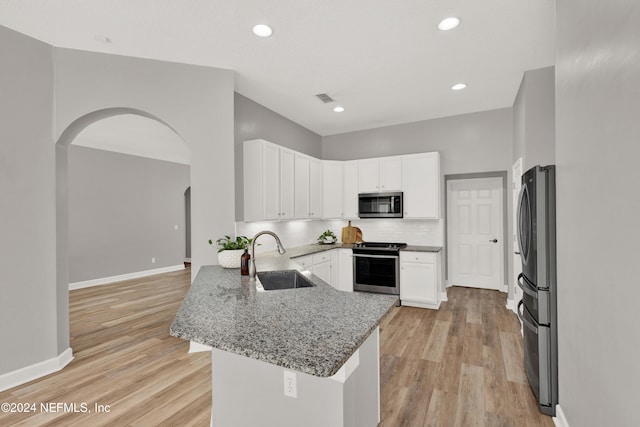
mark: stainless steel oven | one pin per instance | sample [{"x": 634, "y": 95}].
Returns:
[{"x": 376, "y": 267}]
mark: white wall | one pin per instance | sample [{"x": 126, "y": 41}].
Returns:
[{"x": 597, "y": 152}]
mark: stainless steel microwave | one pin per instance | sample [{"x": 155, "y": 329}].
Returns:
[{"x": 380, "y": 205}]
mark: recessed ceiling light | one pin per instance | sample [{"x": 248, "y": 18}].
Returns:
[
  {"x": 458, "y": 86},
  {"x": 338, "y": 109},
  {"x": 448, "y": 23},
  {"x": 262, "y": 30}
]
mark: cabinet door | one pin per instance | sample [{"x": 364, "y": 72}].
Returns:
[
  {"x": 421, "y": 185},
  {"x": 418, "y": 278},
  {"x": 345, "y": 270},
  {"x": 350, "y": 190},
  {"x": 332, "y": 189},
  {"x": 390, "y": 174},
  {"x": 301, "y": 186},
  {"x": 335, "y": 268},
  {"x": 270, "y": 182},
  {"x": 315, "y": 188},
  {"x": 287, "y": 178},
  {"x": 368, "y": 176},
  {"x": 252, "y": 176},
  {"x": 323, "y": 271}
]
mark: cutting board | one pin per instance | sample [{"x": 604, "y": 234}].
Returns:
[{"x": 351, "y": 234}]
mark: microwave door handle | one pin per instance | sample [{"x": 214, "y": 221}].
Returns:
[
  {"x": 525, "y": 287},
  {"x": 375, "y": 256}
]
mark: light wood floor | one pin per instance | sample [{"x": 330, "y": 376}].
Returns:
[{"x": 459, "y": 366}]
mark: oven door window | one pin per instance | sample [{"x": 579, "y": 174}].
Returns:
[{"x": 375, "y": 271}]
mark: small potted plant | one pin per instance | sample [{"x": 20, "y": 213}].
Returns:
[
  {"x": 327, "y": 238},
  {"x": 230, "y": 251}
]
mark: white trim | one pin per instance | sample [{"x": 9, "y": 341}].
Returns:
[
  {"x": 121, "y": 277},
  {"x": 35, "y": 371},
  {"x": 196, "y": 347},
  {"x": 560, "y": 420},
  {"x": 443, "y": 296},
  {"x": 512, "y": 305}
]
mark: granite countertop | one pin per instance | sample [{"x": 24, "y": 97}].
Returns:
[
  {"x": 412, "y": 248},
  {"x": 312, "y": 330}
]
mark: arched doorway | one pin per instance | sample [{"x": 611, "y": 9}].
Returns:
[{"x": 62, "y": 189}]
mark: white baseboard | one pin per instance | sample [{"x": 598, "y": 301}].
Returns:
[
  {"x": 443, "y": 296},
  {"x": 512, "y": 305},
  {"x": 35, "y": 371},
  {"x": 128, "y": 276},
  {"x": 420, "y": 304},
  {"x": 560, "y": 420}
]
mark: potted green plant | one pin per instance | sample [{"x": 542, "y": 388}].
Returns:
[
  {"x": 230, "y": 250},
  {"x": 327, "y": 238}
]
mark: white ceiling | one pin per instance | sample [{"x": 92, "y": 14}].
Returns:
[{"x": 383, "y": 60}]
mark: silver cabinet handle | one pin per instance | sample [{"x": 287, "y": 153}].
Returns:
[{"x": 494, "y": 240}]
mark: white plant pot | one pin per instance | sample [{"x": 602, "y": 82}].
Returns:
[{"x": 230, "y": 258}]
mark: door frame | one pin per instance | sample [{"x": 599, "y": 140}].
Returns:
[{"x": 496, "y": 174}]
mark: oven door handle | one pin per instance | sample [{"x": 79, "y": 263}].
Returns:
[{"x": 376, "y": 256}]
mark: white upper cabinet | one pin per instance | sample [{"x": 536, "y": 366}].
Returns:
[
  {"x": 350, "y": 189},
  {"x": 301, "y": 185},
  {"x": 282, "y": 184},
  {"x": 261, "y": 164},
  {"x": 331, "y": 189},
  {"x": 270, "y": 181},
  {"x": 315, "y": 188},
  {"x": 287, "y": 177},
  {"x": 421, "y": 185},
  {"x": 380, "y": 174}
]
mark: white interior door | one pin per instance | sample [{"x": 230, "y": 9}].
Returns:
[
  {"x": 517, "y": 262},
  {"x": 475, "y": 230}
]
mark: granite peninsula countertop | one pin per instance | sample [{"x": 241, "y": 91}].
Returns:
[{"x": 312, "y": 330}]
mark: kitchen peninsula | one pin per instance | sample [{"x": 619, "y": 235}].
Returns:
[{"x": 306, "y": 356}]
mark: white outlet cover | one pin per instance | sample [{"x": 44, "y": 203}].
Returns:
[{"x": 290, "y": 385}]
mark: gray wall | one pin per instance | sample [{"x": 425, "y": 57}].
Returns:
[
  {"x": 126, "y": 202},
  {"x": 253, "y": 121},
  {"x": 197, "y": 102},
  {"x": 477, "y": 142},
  {"x": 597, "y": 152},
  {"x": 28, "y": 300},
  {"x": 534, "y": 118}
]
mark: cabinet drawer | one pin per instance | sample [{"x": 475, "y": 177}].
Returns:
[
  {"x": 305, "y": 261},
  {"x": 321, "y": 257},
  {"x": 422, "y": 257}
]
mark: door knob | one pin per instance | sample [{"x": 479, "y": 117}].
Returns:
[{"x": 494, "y": 240}]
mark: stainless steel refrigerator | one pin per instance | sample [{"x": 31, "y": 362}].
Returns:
[{"x": 536, "y": 231}]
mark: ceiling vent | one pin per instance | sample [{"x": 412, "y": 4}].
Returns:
[{"x": 324, "y": 98}]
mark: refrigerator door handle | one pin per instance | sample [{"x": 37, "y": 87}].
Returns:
[
  {"x": 525, "y": 287},
  {"x": 518, "y": 225},
  {"x": 526, "y": 321}
]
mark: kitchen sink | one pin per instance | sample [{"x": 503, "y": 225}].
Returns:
[{"x": 284, "y": 279}]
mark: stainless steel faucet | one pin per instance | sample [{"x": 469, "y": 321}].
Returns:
[{"x": 252, "y": 264}]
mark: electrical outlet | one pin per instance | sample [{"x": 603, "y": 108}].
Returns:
[
  {"x": 153, "y": 260},
  {"x": 290, "y": 386}
]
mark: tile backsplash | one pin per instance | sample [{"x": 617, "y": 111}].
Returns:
[{"x": 298, "y": 233}]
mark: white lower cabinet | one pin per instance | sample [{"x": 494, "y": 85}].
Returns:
[
  {"x": 419, "y": 279},
  {"x": 334, "y": 267},
  {"x": 321, "y": 266},
  {"x": 345, "y": 270}
]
